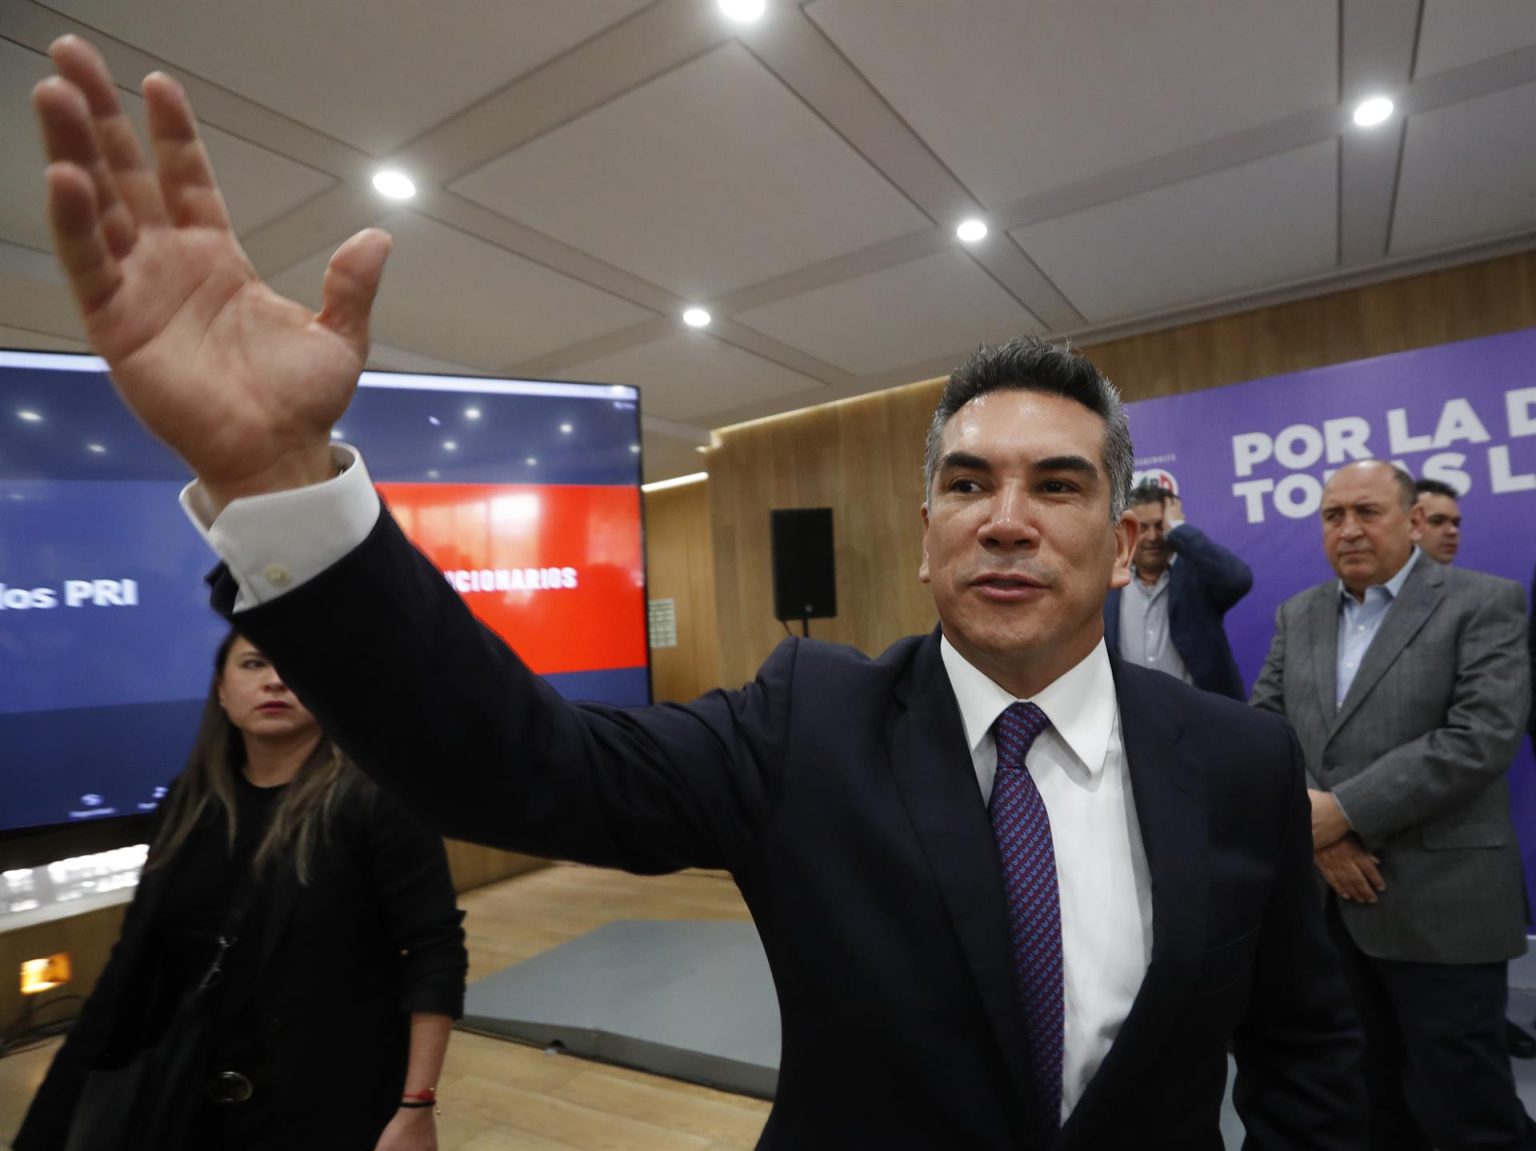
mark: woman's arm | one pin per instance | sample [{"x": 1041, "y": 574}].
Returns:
[{"x": 414, "y": 1128}]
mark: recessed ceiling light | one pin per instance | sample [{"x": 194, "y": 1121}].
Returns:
[
  {"x": 1369, "y": 113},
  {"x": 743, "y": 11},
  {"x": 696, "y": 318},
  {"x": 432, "y": 473},
  {"x": 971, "y": 230},
  {"x": 450, "y": 445},
  {"x": 635, "y": 448},
  {"x": 98, "y": 449},
  {"x": 434, "y": 421},
  {"x": 471, "y": 413},
  {"x": 27, "y": 415},
  {"x": 395, "y": 184},
  {"x": 567, "y": 429},
  {"x": 532, "y": 461}
]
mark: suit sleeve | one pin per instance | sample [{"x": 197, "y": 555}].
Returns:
[
  {"x": 1475, "y": 743},
  {"x": 1531, "y": 641},
  {"x": 441, "y": 712},
  {"x": 1269, "y": 689},
  {"x": 410, "y": 873},
  {"x": 1298, "y": 1048},
  {"x": 1224, "y": 577}
]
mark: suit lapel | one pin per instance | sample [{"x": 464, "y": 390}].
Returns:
[
  {"x": 1112, "y": 620},
  {"x": 1420, "y": 596},
  {"x": 1169, "y": 792},
  {"x": 934, "y": 774},
  {"x": 1320, "y": 633}
]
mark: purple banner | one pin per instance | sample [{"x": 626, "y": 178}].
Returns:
[{"x": 1249, "y": 461}]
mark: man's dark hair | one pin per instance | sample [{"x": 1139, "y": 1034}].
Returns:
[
  {"x": 1148, "y": 492},
  {"x": 1031, "y": 364},
  {"x": 1436, "y": 488}
]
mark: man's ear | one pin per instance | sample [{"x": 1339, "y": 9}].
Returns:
[
  {"x": 922, "y": 568},
  {"x": 1418, "y": 520},
  {"x": 1126, "y": 531}
]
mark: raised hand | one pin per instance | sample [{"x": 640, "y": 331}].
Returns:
[{"x": 242, "y": 383}]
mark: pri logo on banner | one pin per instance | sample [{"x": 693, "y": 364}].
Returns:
[{"x": 1160, "y": 476}]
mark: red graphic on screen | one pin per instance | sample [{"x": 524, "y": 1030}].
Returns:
[{"x": 556, "y": 571}]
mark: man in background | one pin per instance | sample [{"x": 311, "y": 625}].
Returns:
[
  {"x": 1183, "y": 583},
  {"x": 1440, "y": 535},
  {"x": 1439, "y": 538},
  {"x": 1407, "y": 682}
]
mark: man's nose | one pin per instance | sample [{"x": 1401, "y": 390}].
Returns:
[{"x": 1009, "y": 523}]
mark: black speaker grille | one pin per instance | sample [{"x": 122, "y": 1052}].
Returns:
[{"x": 804, "y": 570}]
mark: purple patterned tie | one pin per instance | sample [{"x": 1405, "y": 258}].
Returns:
[{"x": 1023, "y": 832}]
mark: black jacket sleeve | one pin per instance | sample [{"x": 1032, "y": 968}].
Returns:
[{"x": 410, "y": 871}]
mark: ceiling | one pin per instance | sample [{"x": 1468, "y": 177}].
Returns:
[{"x": 589, "y": 168}]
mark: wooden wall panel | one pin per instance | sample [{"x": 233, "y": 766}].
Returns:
[
  {"x": 680, "y": 567},
  {"x": 862, "y": 456}
]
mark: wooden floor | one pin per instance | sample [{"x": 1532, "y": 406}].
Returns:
[{"x": 500, "y": 1096}]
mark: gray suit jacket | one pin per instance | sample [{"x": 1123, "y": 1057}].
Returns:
[{"x": 1417, "y": 755}]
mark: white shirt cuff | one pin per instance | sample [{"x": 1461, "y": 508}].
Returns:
[{"x": 277, "y": 542}]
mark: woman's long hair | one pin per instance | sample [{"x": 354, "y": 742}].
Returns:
[{"x": 206, "y": 790}]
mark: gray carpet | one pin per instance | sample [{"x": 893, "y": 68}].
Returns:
[{"x": 694, "y": 1000}]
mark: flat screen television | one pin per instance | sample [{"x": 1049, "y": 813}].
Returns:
[{"x": 525, "y": 493}]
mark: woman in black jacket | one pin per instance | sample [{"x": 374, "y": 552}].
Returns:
[{"x": 331, "y": 1013}]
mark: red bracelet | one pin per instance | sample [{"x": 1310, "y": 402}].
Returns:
[{"x": 425, "y": 1095}]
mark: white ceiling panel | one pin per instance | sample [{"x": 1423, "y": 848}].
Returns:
[
  {"x": 450, "y": 295},
  {"x": 901, "y": 315},
  {"x": 706, "y": 179},
  {"x": 374, "y": 73},
  {"x": 1268, "y": 222},
  {"x": 38, "y": 302},
  {"x": 258, "y": 185},
  {"x": 1141, "y": 162},
  {"x": 1469, "y": 171},
  {"x": 1453, "y": 33},
  {"x": 691, "y": 375},
  {"x": 1018, "y": 98},
  {"x": 39, "y": 341}
]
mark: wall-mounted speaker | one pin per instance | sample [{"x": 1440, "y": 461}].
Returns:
[{"x": 804, "y": 571}]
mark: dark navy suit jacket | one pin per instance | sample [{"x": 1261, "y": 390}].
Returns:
[
  {"x": 1203, "y": 586},
  {"x": 839, "y": 792}
]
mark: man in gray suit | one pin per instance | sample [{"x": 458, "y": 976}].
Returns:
[{"x": 1408, "y": 685}]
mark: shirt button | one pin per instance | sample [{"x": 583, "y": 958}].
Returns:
[{"x": 277, "y": 575}]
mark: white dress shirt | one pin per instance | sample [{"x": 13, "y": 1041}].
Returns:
[
  {"x": 1078, "y": 763},
  {"x": 274, "y": 543}
]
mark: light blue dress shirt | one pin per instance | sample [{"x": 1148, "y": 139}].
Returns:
[{"x": 1360, "y": 621}]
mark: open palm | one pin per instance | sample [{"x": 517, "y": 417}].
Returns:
[{"x": 239, "y": 381}]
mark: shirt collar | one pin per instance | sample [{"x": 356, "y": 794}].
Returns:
[
  {"x": 1080, "y": 704},
  {"x": 1161, "y": 582},
  {"x": 1393, "y": 586}
]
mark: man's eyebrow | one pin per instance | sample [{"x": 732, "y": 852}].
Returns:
[
  {"x": 1068, "y": 464},
  {"x": 965, "y": 461}
]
